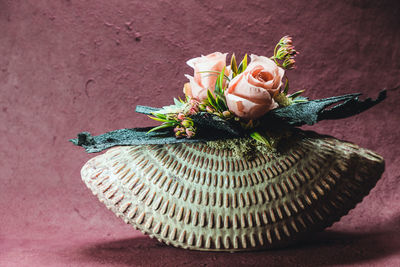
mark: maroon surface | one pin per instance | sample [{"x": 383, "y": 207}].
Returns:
[{"x": 68, "y": 66}]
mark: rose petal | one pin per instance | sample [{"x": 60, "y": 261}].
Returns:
[
  {"x": 187, "y": 90},
  {"x": 198, "y": 92},
  {"x": 269, "y": 66},
  {"x": 206, "y": 69},
  {"x": 216, "y": 56},
  {"x": 267, "y": 63},
  {"x": 244, "y": 108},
  {"x": 240, "y": 86},
  {"x": 249, "y": 94},
  {"x": 267, "y": 84},
  {"x": 208, "y": 79},
  {"x": 193, "y": 61},
  {"x": 278, "y": 78}
]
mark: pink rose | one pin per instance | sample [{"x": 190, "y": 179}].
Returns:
[
  {"x": 204, "y": 80},
  {"x": 250, "y": 94}
]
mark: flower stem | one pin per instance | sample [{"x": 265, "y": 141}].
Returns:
[{"x": 274, "y": 58}]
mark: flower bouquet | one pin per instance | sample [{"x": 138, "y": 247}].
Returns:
[{"x": 227, "y": 169}]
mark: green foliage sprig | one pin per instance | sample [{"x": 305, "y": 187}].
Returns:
[
  {"x": 236, "y": 70},
  {"x": 217, "y": 100}
]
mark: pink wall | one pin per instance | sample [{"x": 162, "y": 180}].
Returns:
[{"x": 69, "y": 66}]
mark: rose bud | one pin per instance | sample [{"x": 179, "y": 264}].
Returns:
[
  {"x": 180, "y": 134},
  {"x": 282, "y": 53},
  {"x": 286, "y": 40},
  {"x": 289, "y": 63},
  {"x": 181, "y": 116},
  {"x": 194, "y": 103},
  {"x": 193, "y": 111},
  {"x": 187, "y": 123},
  {"x": 190, "y": 132},
  {"x": 177, "y": 129},
  {"x": 226, "y": 114}
]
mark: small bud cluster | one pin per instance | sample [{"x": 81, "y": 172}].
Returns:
[
  {"x": 194, "y": 106},
  {"x": 286, "y": 52},
  {"x": 224, "y": 114},
  {"x": 185, "y": 127}
]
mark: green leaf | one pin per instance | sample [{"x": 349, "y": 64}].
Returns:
[
  {"x": 234, "y": 67},
  {"x": 181, "y": 101},
  {"x": 299, "y": 101},
  {"x": 159, "y": 115},
  {"x": 159, "y": 119},
  {"x": 211, "y": 99},
  {"x": 298, "y": 93},
  {"x": 162, "y": 126},
  {"x": 219, "y": 82},
  {"x": 221, "y": 78},
  {"x": 221, "y": 103},
  {"x": 260, "y": 138},
  {"x": 214, "y": 72},
  {"x": 243, "y": 65},
  {"x": 218, "y": 88},
  {"x": 285, "y": 91},
  {"x": 245, "y": 62}
]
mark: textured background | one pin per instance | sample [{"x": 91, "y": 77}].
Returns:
[{"x": 68, "y": 66}]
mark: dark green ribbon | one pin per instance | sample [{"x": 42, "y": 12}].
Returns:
[{"x": 211, "y": 127}]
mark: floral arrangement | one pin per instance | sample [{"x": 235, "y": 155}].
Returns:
[
  {"x": 238, "y": 93},
  {"x": 230, "y": 101}
]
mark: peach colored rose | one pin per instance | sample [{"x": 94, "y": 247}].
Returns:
[
  {"x": 250, "y": 94},
  {"x": 202, "y": 80}
]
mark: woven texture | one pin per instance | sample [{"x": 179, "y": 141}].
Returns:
[{"x": 196, "y": 197}]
